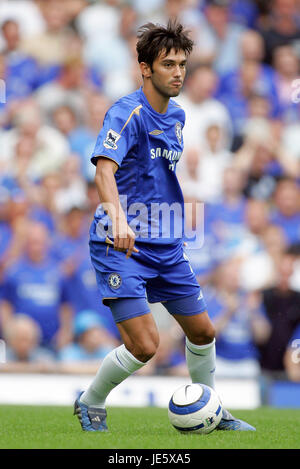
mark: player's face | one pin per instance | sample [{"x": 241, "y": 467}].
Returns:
[{"x": 168, "y": 72}]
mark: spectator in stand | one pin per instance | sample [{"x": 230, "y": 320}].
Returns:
[
  {"x": 259, "y": 106},
  {"x": 260, "y": 184},
  {"x": 15, "y": 176},
  {"x": 17, "y": 212},
  {"x": 22, "y": 72},
  {"x": 218, "y": 38},
  {"x": 251, "y": 50},
  {"x": 80, "y": 138},
  {"x": 50, "y": 148},
  {"x": 100, "y": 19},
  {"x": 239, "y": 324},
  {"x": 41, "y": 202},
  {"x": 254, "y": 225},
  {"x": 5, "y": 229},
  {"x": 294, "y": 250},
  {"x": 35, "y": 286},
  {"x": 286, "y": 213},
  {"x": 14, "y": 226},
  {"x": 92, "y": 200},
  {"x": 212, "y": 159},
  {"x": 68, "y": 246},
  {"x": 26, "y": 13},
  {"x": 200, "y": 241},
  {"x": 11, "y": 95},
  {"x": 259, "y": 267},
  {"x": 44, "y": 207},
  {"x": 49, "y": 47},
  {"x": 97, "y": 105},
  {"x": 225, "y": 219},
  {"x": 244, "y": 12},
  {"x": 239, "y": 87},
  {"x": 72, "y": 231},
  {"x": 81, "y": 134},
  {"x": 41, "y": 198},
  {"x": 202, "y": 109},
  {"x": 107, "y": 27},
  {"x": 64, "y": 118},
  {"x": 250, "y": 80},
  {"x": 72, "y": 192},
  {"x": 188, "y": 174},
  {"x": 263, "y": 159},
  {"x": 69, "y": 89},
  {"x": 290, "y": 140},
  {"x": 92, "y": 343},
  {"x": 286, "y": 65},
  {"x": 24, "y": 354},
  {"x": 282, "y": 27},
  {"x": 124, "y": 56},
  {"x": 281, "y": 305},
  {"x": 3, "y": 96}
]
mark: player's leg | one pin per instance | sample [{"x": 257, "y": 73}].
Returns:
[
  {"x": 184, "y": 300},
  {"x": 200, "y": 351},
  {"x": 124, "y": 360},
  {"x": 190, "y": 312},
  {"x": 140, "y": 337}
]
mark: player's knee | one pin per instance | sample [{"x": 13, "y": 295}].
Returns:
[
  {"x": 145, "y": 349},
  {"x": 203, "y": 337}
]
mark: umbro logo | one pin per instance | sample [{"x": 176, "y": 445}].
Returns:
[
  {"x": 200, "y": 296},
  {"x": 156, "y": 132}
]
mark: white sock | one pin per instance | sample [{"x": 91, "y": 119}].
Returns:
[
  {"x": 201, "y": 362},
  {"x": 116, "y": 366}
]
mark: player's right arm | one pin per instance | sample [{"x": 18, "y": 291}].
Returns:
[
  {"x": 123, "y": 235},
  {"x": 119, "y": 134}
]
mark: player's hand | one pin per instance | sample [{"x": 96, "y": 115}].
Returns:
[{"x": 124, "y": 238}]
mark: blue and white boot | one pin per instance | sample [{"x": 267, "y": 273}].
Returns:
[
  {"x": 92, "y": 419},
  {"x": 228, "y": 422}
]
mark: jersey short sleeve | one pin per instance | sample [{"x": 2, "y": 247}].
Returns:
[{"x": 118, "y": 134}]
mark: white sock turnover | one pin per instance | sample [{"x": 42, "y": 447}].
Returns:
[{"x": 201, "y": 362}]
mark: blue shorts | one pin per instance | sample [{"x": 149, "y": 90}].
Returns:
[{"x": 159, "y": 273}]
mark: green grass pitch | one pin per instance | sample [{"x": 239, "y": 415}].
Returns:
[{"x": 140, "y": 428}]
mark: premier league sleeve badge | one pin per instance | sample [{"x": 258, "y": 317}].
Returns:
[{"x": 111, "y": 139}]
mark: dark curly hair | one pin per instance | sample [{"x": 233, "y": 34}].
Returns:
[{"x": 155, "y": 38}]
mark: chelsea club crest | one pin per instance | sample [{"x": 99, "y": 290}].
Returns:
[
  {"x": 114, "y": 280},
  {"x": 178, "y": 132}
]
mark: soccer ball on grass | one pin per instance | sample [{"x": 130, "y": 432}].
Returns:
[{"x": 195, "y": 408}]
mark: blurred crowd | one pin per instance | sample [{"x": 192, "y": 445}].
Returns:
[{"x": 62, "y": 64}]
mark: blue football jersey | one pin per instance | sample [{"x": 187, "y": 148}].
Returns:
[{"x": 146, "y": 145}]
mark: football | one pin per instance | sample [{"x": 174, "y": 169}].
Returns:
[{"x": 195, "y": 408}]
